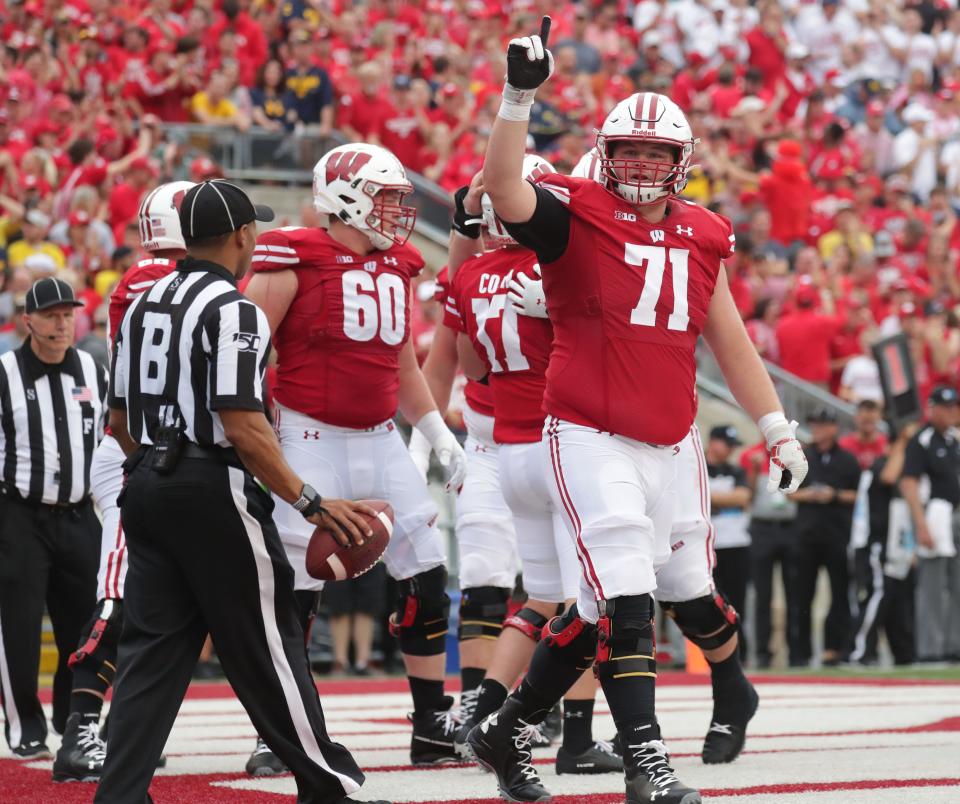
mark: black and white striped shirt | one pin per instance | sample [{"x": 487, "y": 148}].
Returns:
[
  {"x": 188, "y": 347},
  {"x": 51, "y": 420}
]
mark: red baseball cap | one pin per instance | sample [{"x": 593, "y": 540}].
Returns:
[
  {"x": 142, "y": 163},
  {"x": 875, "y": 108},
  {"x": 450, "y": 90},
  {"x": 79, "y": 217},
  {"x": 204, "y": 168}
]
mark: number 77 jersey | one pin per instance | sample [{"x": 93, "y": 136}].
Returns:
[
  {"x": 515, "y": 347},
  {"x": 628, "y": 300},
  {"x": 339, "y": 343}
]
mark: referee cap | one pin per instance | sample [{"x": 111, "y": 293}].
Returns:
[
  {"x": 944, "y": 395},
  {"x": 50, "y": 292},
  {"x": 218, "y": 207}
]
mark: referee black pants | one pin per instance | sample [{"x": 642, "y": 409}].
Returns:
[
  {"x": 48, "y": 558},
  {"x": 205, "y": 556}
]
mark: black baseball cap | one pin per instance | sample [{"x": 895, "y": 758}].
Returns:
[
  {"x": 726, "y": 432},
  {"x": 218, "y": 207},
  {"x": 822, "y": 416},
  {"x": 50, "y": 292},
  {"x": 944, "y": 395}
]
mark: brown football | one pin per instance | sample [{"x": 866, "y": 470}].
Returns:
[{"x": 328, "y": 560}]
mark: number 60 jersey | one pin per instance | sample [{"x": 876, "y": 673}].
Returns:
[
  {"x": 628, "y": 300},
  {"x": 339, "y": 343}
]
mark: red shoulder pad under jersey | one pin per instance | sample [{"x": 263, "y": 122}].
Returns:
[
  {"x": 138, "y": 279},
  {"x": 300, "y": 247}
]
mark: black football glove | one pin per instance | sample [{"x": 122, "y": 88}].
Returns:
[
  {"x": 465, "y": 223},
  {"x": 529, "y": 63}
]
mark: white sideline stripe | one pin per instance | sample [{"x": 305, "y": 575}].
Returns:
[
  {"x": 298, "y": 712},
  {"x": 9, "y": 705}
]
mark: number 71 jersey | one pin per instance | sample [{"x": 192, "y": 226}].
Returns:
[
  {"x": 628, "y": 300},
  {"x": 338, "y": 345}
]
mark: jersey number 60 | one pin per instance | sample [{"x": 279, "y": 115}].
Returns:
[{"x": 371, "y": 306}]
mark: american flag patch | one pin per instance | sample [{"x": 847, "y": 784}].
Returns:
[{"x": 83, "y": 394}]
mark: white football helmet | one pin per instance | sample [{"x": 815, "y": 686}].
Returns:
[
  {"x": 347, "y": 183},
  {"x": 494, "y": 232},
  {"x": 646, "y": 117},
  {"x": 589, "y": 167},
  {"x": 159, "y": 217}
]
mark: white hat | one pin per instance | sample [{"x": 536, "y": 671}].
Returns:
[
  {"x": 38, "y": 218},
  {"x": 915, "y": 113},
  {"x": 797, "y": 50},
  {"x": 751, "y": 103},
  {"x": 40, "y": 263},
  {"x": 652, "y": 39}
]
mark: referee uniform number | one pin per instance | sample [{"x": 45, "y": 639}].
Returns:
[
  {"x": 374, "y": 305},
  {"x": 156, "y": 344}
]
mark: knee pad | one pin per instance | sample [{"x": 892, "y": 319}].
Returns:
[
  {"x": 626, "y": 645},
  {"x": 571, "y": 639},
  {"x": 98, "y": 648},
  {"x": 528, "y": 622},
  {"x": 420, "y": 619},
  {"x": 709, "y": 622},
  {"x": 482, "y": 610}
]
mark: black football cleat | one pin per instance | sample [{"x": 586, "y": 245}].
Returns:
[
  {"x": 82, "y": 752},
  {"x": 263, "y": 762},
  {"x": 651, "y": 780},
  {"x": 432, "y": 741},
  {"x": 598, "y": 758},
  {"x": 36, "y": 749},
  {"x": 725, "y": 739},
  {"x": 501, "y": 744}
]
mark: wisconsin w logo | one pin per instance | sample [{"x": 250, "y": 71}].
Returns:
[{"x": 345, "y": 165}]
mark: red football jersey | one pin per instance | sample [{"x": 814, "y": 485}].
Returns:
[
  {"x": 628, "y": 300},
  {"x": 138, "y": 279},
  {"x": 515, "y": 347},
  {"x": 478, "y": 395},
  {"x": 338, "y": 346}
]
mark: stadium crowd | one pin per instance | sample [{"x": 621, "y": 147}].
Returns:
[{"x": 829, "y": 133}]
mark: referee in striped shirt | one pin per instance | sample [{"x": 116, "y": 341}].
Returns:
[
  {"x": 186, "y": 406},
  {"x": 52, "y": 405}
]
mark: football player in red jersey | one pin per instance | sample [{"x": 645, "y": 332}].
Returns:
[
  {"x": 512, "y": 351},
  {"x": 338, "y": 302},
  {"x": 685, "y": 588},
  {"x": 82, "y": 752},
  {"x": 484, "y": 531},
  {"x": 632, "y": 276}
]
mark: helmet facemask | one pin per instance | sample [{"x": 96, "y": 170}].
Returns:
[
  {"x": 644, "y": 181},
  {"x": 388, "y": 224}
]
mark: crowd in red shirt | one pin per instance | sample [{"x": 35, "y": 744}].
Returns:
[{"x": 829, "y": 132}]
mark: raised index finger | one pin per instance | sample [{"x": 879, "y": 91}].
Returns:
[{"x": 545, "y": 24}]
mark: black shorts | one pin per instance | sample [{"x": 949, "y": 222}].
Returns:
[{"x": 365, "y": 595}]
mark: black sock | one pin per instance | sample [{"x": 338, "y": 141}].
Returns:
[
  {"x": 577, "y": 725},
  {"x": 535, "y": 704},
  {"x": 730, "y": 686},
  {"x": 632, "y": 701},
  {"x": 87, "y": 683},
  {"x": 471, "y": 678},
  {"x": 427, "y": 694},
  {"x": 492, "y": 696}
]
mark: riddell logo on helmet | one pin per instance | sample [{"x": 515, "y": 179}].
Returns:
[
  {"x": 345, "y": 165},
  {"x": 642, "y": 132}
]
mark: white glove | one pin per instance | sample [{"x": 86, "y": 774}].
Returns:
[
  {"x": 446, "y": 447},
  {"x": 419, "y": 449},
  {"x": 788, "y": 464},
  {"x": 526, "y": 295}
]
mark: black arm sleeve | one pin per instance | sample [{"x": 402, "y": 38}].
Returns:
[{"x": 548, "y": 230}]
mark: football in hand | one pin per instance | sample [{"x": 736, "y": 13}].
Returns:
[{"x": 328, "y": 560}]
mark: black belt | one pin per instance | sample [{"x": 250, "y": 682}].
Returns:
[
  {"x": 59, "y": 508},
  {"x": 226, "y": 455}
]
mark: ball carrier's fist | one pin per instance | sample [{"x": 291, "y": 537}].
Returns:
[{"x": 529, "y": 64}]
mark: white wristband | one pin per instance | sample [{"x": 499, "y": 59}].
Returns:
[
  {"x": 775, "y": 427},
  {"x": 432, "y": 426},
  {"x": 516, "y": 104}
]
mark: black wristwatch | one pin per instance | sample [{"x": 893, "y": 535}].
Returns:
[{"x": 309, "y": 501}]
